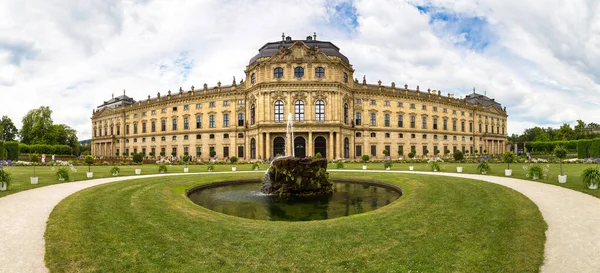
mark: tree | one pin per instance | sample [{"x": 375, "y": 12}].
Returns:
[
  {"x": 565, "y": 132},
  {"x": 579, "y": 129},
  {"x": 37, "y": 124},
  {"x": 8, "y": 131}
]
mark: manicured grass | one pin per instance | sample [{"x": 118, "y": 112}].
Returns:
[
  {"x": 573, "y": 172},
  {"x": 439, "y": 225},
  {"x": 47, "y": 176}
]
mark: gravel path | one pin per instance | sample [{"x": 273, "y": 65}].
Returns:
[{"x": 572, "y": 240}]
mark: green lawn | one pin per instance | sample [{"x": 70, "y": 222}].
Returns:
[{"x": 439, "y": 225}]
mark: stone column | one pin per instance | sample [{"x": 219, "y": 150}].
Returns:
[
  {"x": 268, "y": 146},
  {"x": 260, "y": 146},
  {"x": 331, "y": 143},
  {"x": 309, "y": 144}
]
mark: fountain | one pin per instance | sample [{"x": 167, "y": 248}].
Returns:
[
  {"x": 289, "y": 175},
  {"x": 294, "y": 189}
]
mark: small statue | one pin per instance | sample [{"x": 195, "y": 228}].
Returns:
[
  {"x": 379, "y": 82},
  {"x": 192, "y": 88}
]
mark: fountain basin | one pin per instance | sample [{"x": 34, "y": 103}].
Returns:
[{"x": 242, "y": 198}]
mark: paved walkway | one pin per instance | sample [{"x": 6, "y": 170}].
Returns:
[{"x": 572, "y": 239}]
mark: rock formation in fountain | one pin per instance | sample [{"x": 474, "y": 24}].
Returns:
[{"x": 297, "y": 176}]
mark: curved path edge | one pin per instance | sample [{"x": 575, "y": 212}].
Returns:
[{"x": 572, "y": 243}]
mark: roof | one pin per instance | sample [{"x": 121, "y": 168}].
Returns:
[
  {"x": 476, "y": 98},
  {"x": 329, "y": 49},
  {"x": 123, "y": 98}
]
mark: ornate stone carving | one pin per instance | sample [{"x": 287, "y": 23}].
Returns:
[
  {"x": 278, "y": 95},
  {"x": 299, "y": 95},
  {"x": 318, "y": 95}
]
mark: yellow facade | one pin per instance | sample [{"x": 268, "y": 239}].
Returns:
[{"x": 333, "y": 114}]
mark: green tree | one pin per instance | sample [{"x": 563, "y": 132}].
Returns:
[
  {"x": 580, "y": 131},
  {"x": 8, "y": 131},
  {"x": 37, "y": 124},
  {"x": 542, "y": 136},
  {"x": 565, "y": 132}
]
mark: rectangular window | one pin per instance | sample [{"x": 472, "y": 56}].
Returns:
[
  {"x": 153, "y": 126},
  {"x": 413, "y": 106},
  {"x": 126, "y": 129},
  {"x": 226, "y": 151},
  {"x": 400, "y": 150},
  {"x": 358, "y": 118},
  {"x": 198, "y": 121},
  {"x": 480, "y": 127},
  {"x": 435, "y": 127},
  {"x": 143, "y": 128},
  {"x": 400, "y": 104},
  {"x": 240, "y": 153},
  {"x": 118, "y": 130},
  {"x": 424, "y": 107},
  {"x": 412, "y": 122},
  {"x": 198, "y": 106},
  {"x": 186, "y": 123},
  {"x": 453, "y": 125},
  {"x": 445, "y": 110},
  {"x": 425, "y": 149},
  {"x": 226, "y": 103},
  {"x": 424, "y": 123},
  {"x": 486, "y": 128},
  {"x": 225, "y": 120},
  {"x": 163, "y": 125},
  {"x": 135, "y": 128},
  {"x": 164, "y": 110},
  {"x": 470, "y": 127},
  {"x": 211, "y": 104},
  {"x": 462, "y": 113},
  {"x": 373, "y": 150},
  {"x": 241, "y": 101},
  {"x": 454, "y": 112},
  {"x": 198, "y": 151},
  {"x": 358, "y": 101},
  {"x": 386, "y": 103},
  {"x": 435, "y": 109},
  {"x": 143, "y": 114},
  {"x": 240, "y": 119},
  {"x": 211, "y": 121},
  {"x": 174, "y": 124},
  {"x": 387, "y": 120},
  {"x": 153, "y": 112},
  {"x": 135, "y": 115},
  {"x": 445, "y": 124},
  {"x": 358, "y": 150},
  {"x": 373, "y": 119},
  {"x": 400, "y": 121},
  {"x": 186, "y": 107},
  {"x": 462, "y": 126},
  {"x": 373, "y": 102}
]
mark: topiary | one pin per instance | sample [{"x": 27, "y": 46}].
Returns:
[
  {"x": 318, "y": 155},
  {"x": 62, "y": 174},
  {"x": 138, "y": 158},
  {"x": 508, "y": 157},
  {"x": 233, "y": 159},
  {"x": 89, "y": 160},
  {"x": 162, "y": 168},
  {"x": 458, "y": 156},
  {"x": 560, "y": 152},
  {"x": 339, "y": 165},
  {"x": 365, "y": 158}
]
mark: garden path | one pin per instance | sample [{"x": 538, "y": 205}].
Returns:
[{"x": 572, "y": 245}]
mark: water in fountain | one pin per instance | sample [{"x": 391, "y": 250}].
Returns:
[{"x": 288, "y": 175}]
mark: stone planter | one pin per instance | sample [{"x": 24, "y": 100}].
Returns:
[
  {"x": 507, "y": 172},
  {"x": 138, "y": 171},
  {"x": 34, "y": 180},
  {"x": 115, "y": 174},
  {"x": 90, "y": 174},
  {"x": 535, "y": 177},
  {"x": 410, "y": 168},
  {"x": 562, "y": 178},
  {"x": 484, "y": 172},
  {"x": 364, "y": 167},
  {"x": 233, "y": 169},
  {"x": 185, "y": 170},
  {"x": 3, "y": 186},
  {"x": 459, "y": 169},
  {"x": 387, "y": 169},
  {"x": 593, "y": 186},
  {"x": 256, "y": 169},
  {"x": 60, "y": 178},
  {"x": 435, "y": 170}
]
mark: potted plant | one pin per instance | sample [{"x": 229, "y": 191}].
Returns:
[
  {"x": 5, "y": 178},
  {"x": 508, "y": 157},
  {"x": 365, "y": 159},
  {"x": 233, "y": 160},
  {"x": 213, "y": 153},
  {"x": 425, "y": 153},
  {"x": 446, "y": 153},
  {"x": 411, "y": 155},
  {"x": 591, "y": 178},
  {"x": 210, "y": 168},
  {"x": 255, "y": 166},
  {"x": 162, "y": 168},
  {"x": 89, "y": 160},
  {"x": 339, "y": 165},
  {"x": 535, "y": 172},
  {"x": 386, "y": 153},
  {"x": 400, "y": 153},
  {"x": 560, "y": 152},
  {"x": 138, "y": 159},
  {"x": 186, "y": 159},
  {"x": 458, "y": 157},
  {"x": 483, "y": 166},
  {"x": 115, "y": 171},
  {"x": 387, "y": 165},
  {"x": 435, "y": 166},
  {"x": 436, "y": 152},
  {"x": 62, "y": 174},
  {"x": 35, "y": 159}
]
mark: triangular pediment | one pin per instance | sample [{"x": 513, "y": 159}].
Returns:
[{"x": 299, "y": 52}]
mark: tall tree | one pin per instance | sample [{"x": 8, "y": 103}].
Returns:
[
  {"x": 579, "y": 129},
  {"x": 8, "y": 131},
  {"x": 565, "y": 132},
  {"x": 37, "y": 126}
]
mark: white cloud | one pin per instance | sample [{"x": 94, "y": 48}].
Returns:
[{"x": 541, "y": 60}]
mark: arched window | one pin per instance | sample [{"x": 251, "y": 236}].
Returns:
[
  {"x": 320, "y": 72},
  {"x": 252, "y": 148},
  {"x": 299, "y": 110},
  {"x": 320, "y": 110},
  {"x": 252, "y": 114},
  {"x": 186, "y": 137},
  {"x": 253, "y": 78},
  {"x": 153, "y": 139},
  {"x": 345, "y": 77},
  {"x": 278, "y": 110},
  {"x": 345, "y": 113},
  {"x": 278, "y": 73},
  {"x": 298, "y": 72},
  {"x": 346, "y": 148}
]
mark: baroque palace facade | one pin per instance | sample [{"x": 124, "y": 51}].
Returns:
[{"x": 332, "y": 114}]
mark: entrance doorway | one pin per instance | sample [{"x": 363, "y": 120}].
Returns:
[
  {"x": 321, "y": 146},
  {"x": 300, "y": 147},
  {"x": 278, "y": 146}
]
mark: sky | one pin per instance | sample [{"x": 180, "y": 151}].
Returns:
[{"x": 540, "y": 59}]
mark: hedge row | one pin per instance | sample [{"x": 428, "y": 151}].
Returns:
[
  {"x": 584, "y": 147},
  {"x": 45, "y": 149},
  {"x": 11, "y": 149},
  {"x": 2, "y": 156}
]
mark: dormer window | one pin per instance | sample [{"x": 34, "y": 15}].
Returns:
[
  {"x": 278, "y": 73},
  {"x": 253, "y": 78}
]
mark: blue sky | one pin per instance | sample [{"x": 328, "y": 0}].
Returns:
[{"x": 540, "y": 59}]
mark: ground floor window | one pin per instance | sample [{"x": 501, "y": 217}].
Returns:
[
  {"x": 225, "y": 151},
  {"x": 240, "y": 152},
  {"x": 358, "y": 150},
  {"x": 373, "y": 150},
  {"x": 400, "y": 150},
  {"x": 198, "y": 151}
]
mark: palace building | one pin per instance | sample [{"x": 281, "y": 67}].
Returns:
[{"x": 333, "y": 114}]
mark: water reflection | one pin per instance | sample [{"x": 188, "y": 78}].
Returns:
[{"x": 246, "y": 200}]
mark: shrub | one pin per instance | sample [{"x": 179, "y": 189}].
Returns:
[
  {"x": 162, "y": 168},
  {"x": 483, "y": 166},
  {"x": 436, "y": 152},
  {"x": 508, "y": 157},
  {"x": 5, "y": 177},
  {"x": 318, "y": 155},
  {"x": 213, "y": 153},
  {"x": 365, "y": 158},
  {"x": 115, "y": 170},
  {"x": 387, "y": 164},
  {"x": 185, "y": 158},
  {"x": 339, "y": 165},
  {"x": 400, "y": 152},
  {"x": 254, "y": 166},
  {"x": 233, "y": 159},
  {"x": 411, "y": 155},
  {"x": 386, "y": 152},
  {"x": 426, "y": 152},
  {"x": 591, "y": 176},
  {"x": 435, "y": 166},
  {"x": 89, "y": 160},
  {"x": 2, "y": 153},
  {"x": 210, "y": 168},
  {"x": 62, "y": 174},
  {"x": 138, "y": 158},
  {"x": 583, "y": 146},
  {"x": 458, "y": 156},
  {"x": 535, "y": 172}
]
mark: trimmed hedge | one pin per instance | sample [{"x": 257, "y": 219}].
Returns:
[
  {"x": 583, "y": 148},
  {"x": 12, "y": 150},
  {"x": 45, "y": 149},
  {"x": 2, "y": 150},
  {"x": 595, "y": 148}
]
